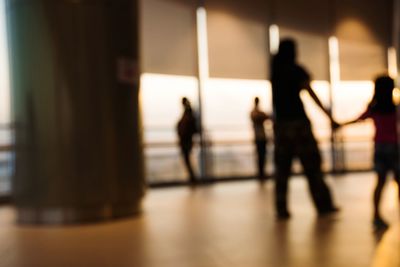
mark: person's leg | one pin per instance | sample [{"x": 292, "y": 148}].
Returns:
[
  {"x": 397, "y": 180},
  {"x": 283, "y": 155},
  {"x": 188, "y": 164},
  {"x": 186, "y": 149},
  {"x": 261, "y": 155},
  {"x": 378, "y": 221},
  {"x": 396, "y": 170},
  {"x": 283, "y": 171},
  {"x": 381, "y": 180},
  {"x": 311, "y": 161},
  {"x": 382, "y": 163}
]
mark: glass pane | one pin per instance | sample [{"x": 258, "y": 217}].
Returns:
[
  {"x": 238, "y": 39},
  {"x": 161, "y": 105},
  {"x": 364, "y": 36},
  {"x": 227, "y": 106},
  {"x": 310, "y": 29},
  {"x": 350, "y": 100},
  {"x": 6, "y": 152},
  {"x": 168, "y": 37}
]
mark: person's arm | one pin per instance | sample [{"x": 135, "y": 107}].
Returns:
[
  {"x": 266, "y": 116},
  {"x": 259, "y": 116},
  {"x": 360, "y": 118},
  {"x": 307, "y": 86}
]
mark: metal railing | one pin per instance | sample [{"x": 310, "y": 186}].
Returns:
[
  {"x": 6, "y": 159},
  {"x": 235, "y": 158},
  {"x": 229, "y": 159}
]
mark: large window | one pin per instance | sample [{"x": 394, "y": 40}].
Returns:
[
  {"x": 238, "y": 43},
  {"x": 350, "y": 100},
  {"x": 161, "y": 105},
  {"x": 237, "y": 40},
  {"x": 227, "y": 106},
  {"x": 228, "y": 130},
  {"x": 6, "y": 157}
]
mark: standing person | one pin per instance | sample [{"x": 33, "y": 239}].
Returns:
[
  {"x": 292, "y": 130},
  {"x": 382, "y": 111},
  {"x": 258, "y": 118},
  {"x": 186, "y": 129}
]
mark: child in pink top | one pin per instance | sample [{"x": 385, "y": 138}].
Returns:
[{"x": 382, "y": 111}]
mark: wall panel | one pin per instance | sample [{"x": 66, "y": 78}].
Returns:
[
  {"x": 238, "y": 39},
  {"x": 168, "y": 37}
]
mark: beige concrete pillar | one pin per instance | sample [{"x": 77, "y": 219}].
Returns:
[{"x": 75, "y": 87}]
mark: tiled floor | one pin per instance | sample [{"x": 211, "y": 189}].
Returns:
[
  {"x": 388, "y": 252},
  {"x": 228, "y": 224}
]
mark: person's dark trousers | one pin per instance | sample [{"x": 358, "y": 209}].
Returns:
[
  {"x": 295, "y": 139},
  {"x": 261, "y": 146},
  {"x": 283, "y": 162},
  {"x": 186, "y": 148},
  {"x": 188, "y": 165},
  {"x": 310, "y": 159}
]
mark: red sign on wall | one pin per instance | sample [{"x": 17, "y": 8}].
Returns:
[{"x": 127, "y": 71}]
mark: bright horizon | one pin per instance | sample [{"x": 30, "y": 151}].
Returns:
[{"x": 227, "y": 103}]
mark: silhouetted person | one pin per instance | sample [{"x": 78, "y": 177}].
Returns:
[
  {"x": 258, "y": 118},
  {"x": 186, "y": 129},
  {"x": 292, "y": 130},
  {"x": 382, "y": 111}
]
